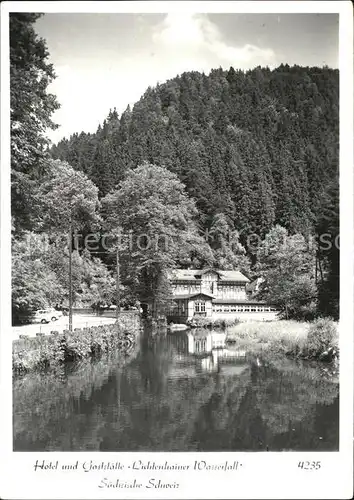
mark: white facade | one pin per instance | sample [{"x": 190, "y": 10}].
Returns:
[
  {"x": 219, "y": 284},
  {"x": 214, "y": 294}
]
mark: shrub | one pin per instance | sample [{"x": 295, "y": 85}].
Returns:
[
  {"x": 322, "y": 335},
  {"x": 308, "y": 312},
  {"x": 52, "y": 350}
]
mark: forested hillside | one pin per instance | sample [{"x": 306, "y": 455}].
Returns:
[
  {"x": 260, "y": 147},
  {"x": 255, "y": 150},
  {"x": 228, "y": 166}
]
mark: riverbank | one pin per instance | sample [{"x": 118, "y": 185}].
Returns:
[
  {"x": 49, "y": 351},
  {"x": 156, "y": 401},
  {"x": 317, "y": 340}
]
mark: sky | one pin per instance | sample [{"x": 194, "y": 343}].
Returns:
[{"x": 104, "y": 61}]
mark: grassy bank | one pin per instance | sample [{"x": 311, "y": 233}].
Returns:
[
  {"x": 213, "y": 323},
  {"x": 49, "y": 351},
  {"x": 315, "y": 340}
]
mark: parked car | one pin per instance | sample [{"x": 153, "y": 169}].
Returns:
[{"x": 46, "y": 315}]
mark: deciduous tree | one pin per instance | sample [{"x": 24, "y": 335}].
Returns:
[
  {"x": 154, "y": 213},
  {"x": 287, "y": 266},
  {"x": 31, "y": 109}
]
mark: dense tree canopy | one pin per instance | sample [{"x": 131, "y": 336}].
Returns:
[
  {"x": 31, "y": 108},
  {"x": 287, "y": 266},
  {"x": 40, "y": 276},
  {"x": 66, "y": 198},
  {"x": 227, "y": 249},
  {"x": 207, "y": 162},
  {"x": 34, "y": 283},
  {"x": 156, "y": 221},
  {"x": 65, "y": 204},
  {"x": 254, "y": 149},
  {"x": 260, "y": 146}
]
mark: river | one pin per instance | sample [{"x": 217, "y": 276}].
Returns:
[{"x": 179, "y": 392}]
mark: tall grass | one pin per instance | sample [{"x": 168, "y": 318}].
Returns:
[{"x": 293, "y": 338}]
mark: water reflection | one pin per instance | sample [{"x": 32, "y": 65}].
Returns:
[
  {"x": 182, "y": 392},
  {"x": 205, "y": 351}
]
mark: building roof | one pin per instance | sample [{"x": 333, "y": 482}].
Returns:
[
  {"x": 191, "y": 295},
  {"x": 190, "y": 275}
]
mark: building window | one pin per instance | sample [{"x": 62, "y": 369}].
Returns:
[
  {"x": 200, "y": 345},
  {"x": 200, "y": 307}
]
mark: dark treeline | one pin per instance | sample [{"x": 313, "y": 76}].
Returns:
[{"x": 259, "y": 147}]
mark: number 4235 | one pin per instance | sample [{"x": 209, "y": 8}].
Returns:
[{"x": 309, "y": 465}]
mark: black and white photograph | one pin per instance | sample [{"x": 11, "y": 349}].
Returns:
[{"x": 175, "y": 281}]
